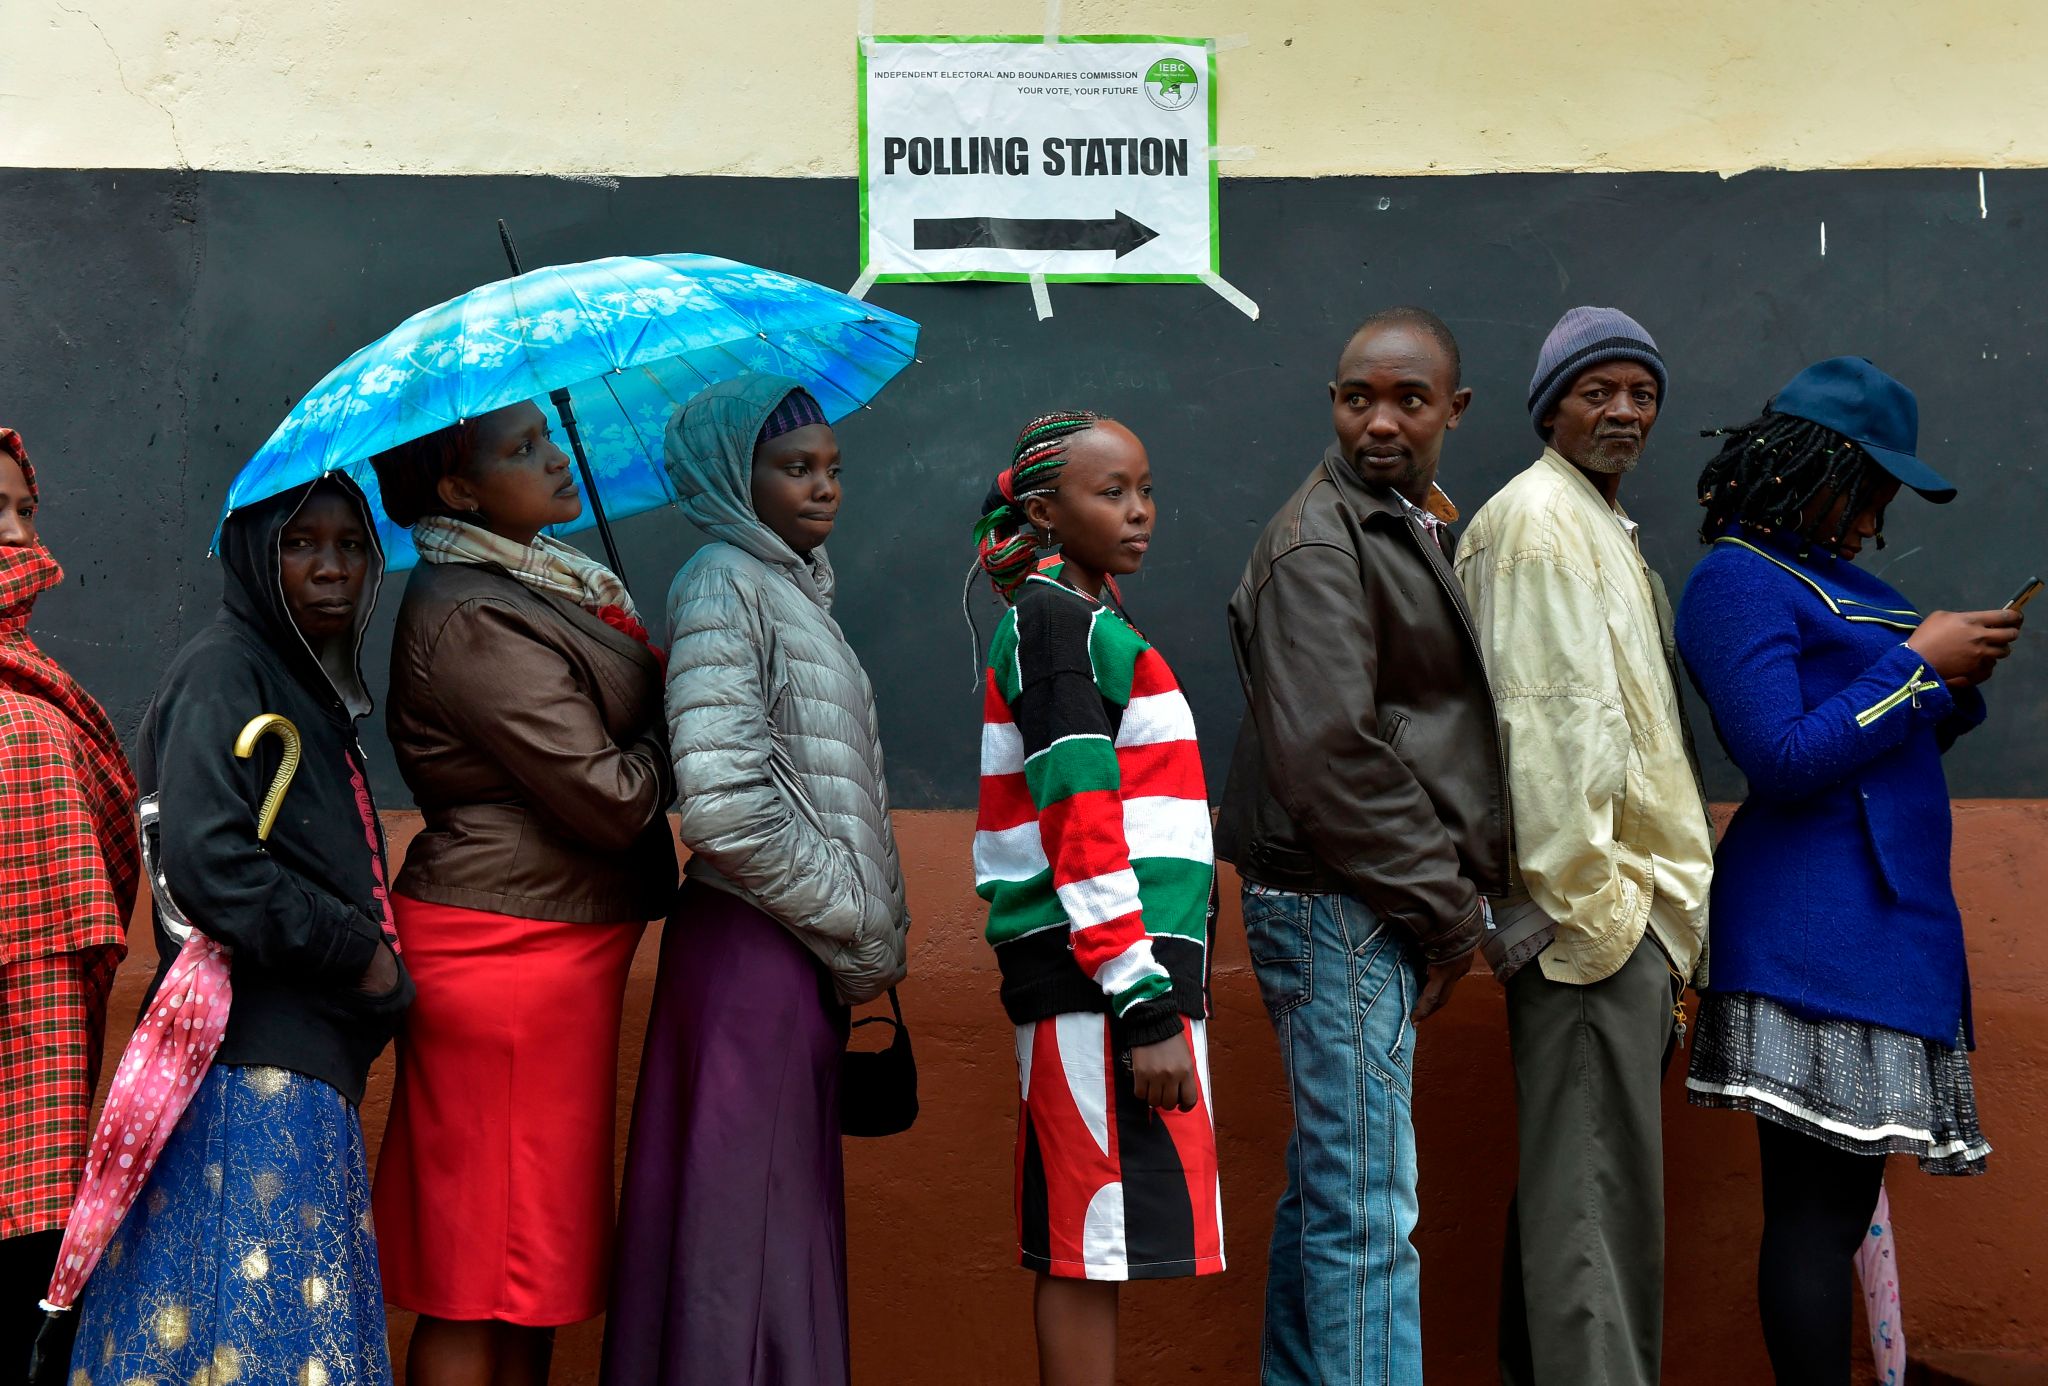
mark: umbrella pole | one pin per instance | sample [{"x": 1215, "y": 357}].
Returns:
[{"x": 560, "y": 399}]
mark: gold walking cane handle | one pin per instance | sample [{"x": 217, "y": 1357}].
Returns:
[{"x": 280, "y": 726}]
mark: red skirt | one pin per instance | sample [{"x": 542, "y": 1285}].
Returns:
[{"x": 495, "y": 1193}]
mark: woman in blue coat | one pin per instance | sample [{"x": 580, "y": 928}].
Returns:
[{"x": 1838, "y": 1006}]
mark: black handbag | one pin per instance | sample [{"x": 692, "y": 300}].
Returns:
[{"x": 878, "y": 1087}]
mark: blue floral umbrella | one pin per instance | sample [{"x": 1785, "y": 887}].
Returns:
[{"x": 629, "y": 338}]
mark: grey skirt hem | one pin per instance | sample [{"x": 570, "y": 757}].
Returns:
[{"x": 1859, "y": 1088}]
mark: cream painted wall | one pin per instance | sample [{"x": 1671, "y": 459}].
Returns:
[{"x": 767, "y": 88}]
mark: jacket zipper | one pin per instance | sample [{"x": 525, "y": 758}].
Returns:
[
  {"x": 1821, "y": 592},
  {"x": 1912, "y": 690}
]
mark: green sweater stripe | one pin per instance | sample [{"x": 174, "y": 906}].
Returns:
[
  {"x": 1114, "y": 648},
  {"x": 1002, "y": 656},
  {"x": 1175, "y": 891},
  {"x": 1072, "y": 765}
]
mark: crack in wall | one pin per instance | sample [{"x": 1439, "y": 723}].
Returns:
[{"x": 121, "y": 76}]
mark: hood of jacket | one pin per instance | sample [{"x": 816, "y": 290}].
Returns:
[
  {"x": 252, "y": 566},
  {"x": 709, "y": 444}
]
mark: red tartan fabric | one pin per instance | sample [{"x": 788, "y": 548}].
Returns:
[
  {"x": 11, "y": 444},
  {"x": 69, "y": 866},
  {"x": 69, "y": 859},
  {"x": 52, "y": 1023}
]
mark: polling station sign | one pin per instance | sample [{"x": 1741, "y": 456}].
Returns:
[{"x": 1085, "y": 159}]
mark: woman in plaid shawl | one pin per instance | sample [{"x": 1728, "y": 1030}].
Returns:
[{"x": 68, "y": 870}]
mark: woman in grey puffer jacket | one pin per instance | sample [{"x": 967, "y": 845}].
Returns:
[{"x": 732, "y": 1235}]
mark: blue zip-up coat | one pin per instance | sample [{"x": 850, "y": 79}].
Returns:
[{"x": 1831, "y": 887}]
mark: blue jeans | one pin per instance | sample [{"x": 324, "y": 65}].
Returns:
[{"x": 1343, "y": 1288}]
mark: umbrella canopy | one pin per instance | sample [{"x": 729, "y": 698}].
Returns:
[
  {"x": 158, "y": 1076},
  {"x": 630, "y": 338}
]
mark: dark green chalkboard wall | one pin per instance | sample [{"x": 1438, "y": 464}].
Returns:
[{"x": 157, "y": 325}]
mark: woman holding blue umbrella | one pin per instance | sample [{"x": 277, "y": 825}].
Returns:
[
  {"x": 526, "y": 718},
  {"x": 526, "y": 712}
]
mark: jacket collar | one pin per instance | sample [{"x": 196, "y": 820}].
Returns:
[
  {"x": 591, "y": 627},
  {"x": 1579, "y": 483},
  {"x": 1375, "y": 499},
  {"x": 1845, "y": 589}
]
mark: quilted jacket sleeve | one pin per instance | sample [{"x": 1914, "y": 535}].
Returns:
[{"x": 742, "y": 810}]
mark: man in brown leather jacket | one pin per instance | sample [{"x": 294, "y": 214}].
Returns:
[{"x": 1367, "y": 813}]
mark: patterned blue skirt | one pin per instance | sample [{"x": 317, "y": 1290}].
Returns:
[{"x": 249, "y": 1258}]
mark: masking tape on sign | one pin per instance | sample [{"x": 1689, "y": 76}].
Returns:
[
  {"x": 1231, "y": 294},
  {"x": 863, "y": 284},
  {"x": 1042, "y": 301}
]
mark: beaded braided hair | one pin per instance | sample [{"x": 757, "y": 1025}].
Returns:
[
  {"x": 1006, "y": 544},
  {"x": 1772, "y": 468}
]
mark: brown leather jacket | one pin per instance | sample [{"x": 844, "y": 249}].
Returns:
[
  {"x": 531, "y": 736},
  {"x": 1369, "y": 762}
]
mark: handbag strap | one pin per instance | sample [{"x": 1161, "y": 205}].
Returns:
[{"x": 894, "y": 1005}]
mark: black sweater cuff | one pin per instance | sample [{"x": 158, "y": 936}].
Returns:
[{"x": 1148, "y": 1022}]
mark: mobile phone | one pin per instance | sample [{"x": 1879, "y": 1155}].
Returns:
[{"x": 2024, "y": 595}]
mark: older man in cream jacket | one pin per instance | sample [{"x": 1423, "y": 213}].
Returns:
[{"x": 1614, "y": 852}]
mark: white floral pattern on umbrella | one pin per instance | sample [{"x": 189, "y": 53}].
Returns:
[{"x": 629, "y": 337}]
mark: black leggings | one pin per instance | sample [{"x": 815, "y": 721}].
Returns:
[
  {"x": 1817, "y": 1206},
  {"x": 25, "y": 1266}
]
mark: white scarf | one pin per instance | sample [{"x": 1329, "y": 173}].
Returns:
[{"x": 546, "y": 565}]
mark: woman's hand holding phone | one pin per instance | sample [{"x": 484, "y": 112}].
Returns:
[{"x": 1965, "y": 646}]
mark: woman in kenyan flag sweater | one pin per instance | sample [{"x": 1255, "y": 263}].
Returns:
[{"x": 1092, "y": 848}]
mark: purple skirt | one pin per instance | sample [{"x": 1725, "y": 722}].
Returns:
[{"x": 731, "y": 1260}]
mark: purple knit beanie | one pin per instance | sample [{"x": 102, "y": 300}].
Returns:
[
  {"x": 1582, "y": 339},
  {"x": 797, "y": 410}
]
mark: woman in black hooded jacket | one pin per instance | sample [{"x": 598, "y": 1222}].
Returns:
[{"x": 250, "y": 1255}]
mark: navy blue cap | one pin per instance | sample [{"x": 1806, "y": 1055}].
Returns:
[{"x": 1869, "y": 408}]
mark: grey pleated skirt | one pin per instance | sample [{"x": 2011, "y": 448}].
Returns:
[{"x": 1857, "y": 1087}]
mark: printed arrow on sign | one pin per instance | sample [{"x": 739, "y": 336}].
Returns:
[{"x": 1122, "y": 233}]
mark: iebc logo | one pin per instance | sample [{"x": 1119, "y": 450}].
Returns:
[{"x": 1170, "y": 84}]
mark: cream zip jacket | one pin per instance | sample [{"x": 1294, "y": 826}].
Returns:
[{"x": 1612, "y": 835}]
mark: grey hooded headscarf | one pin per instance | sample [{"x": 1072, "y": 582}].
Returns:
[
  {"x": 771, "y": 718},
  {"x": 709, "y": 444}
]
